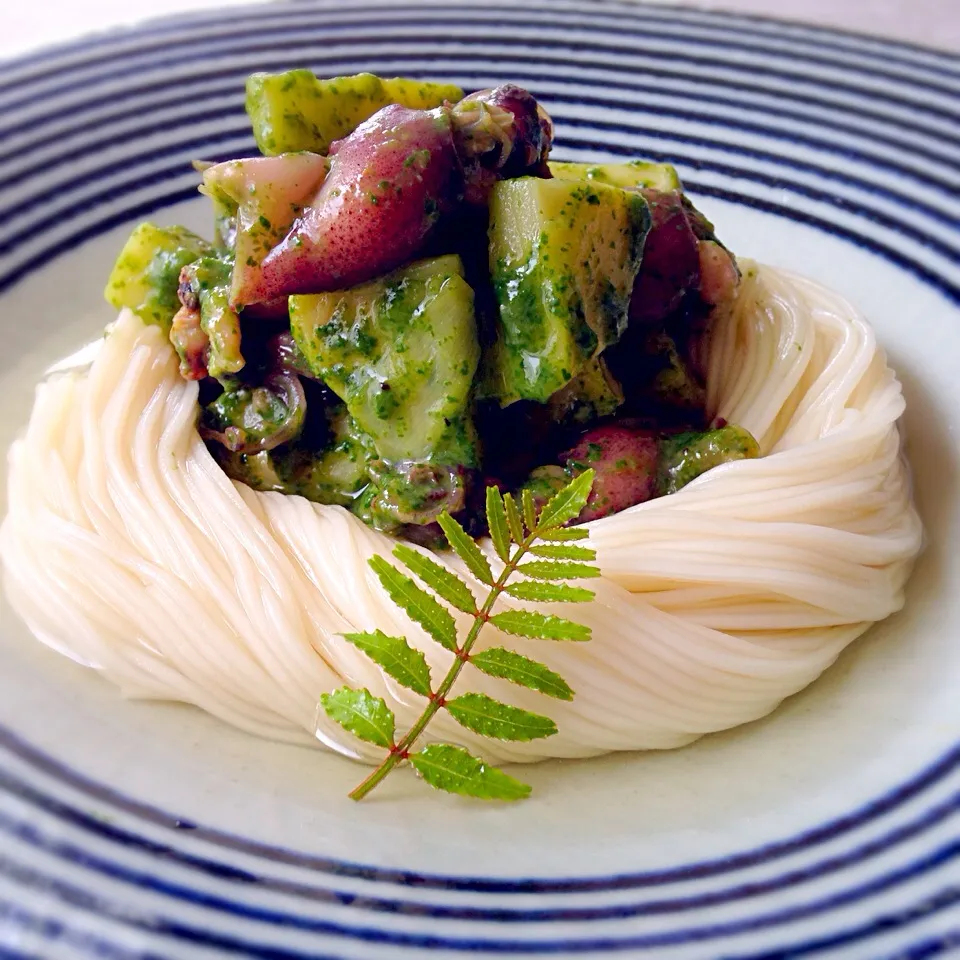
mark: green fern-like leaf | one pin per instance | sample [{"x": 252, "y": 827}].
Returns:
[
  {"x": 364, "y": 715},
  {"x": 567, "y": 503},
  {"x": 538, "y": 591},
  {"x": 563, "y": 551},
  {"x": 514, "y": 520},
  {"x": 539, "y": 626},
  {"x": 396, "y": 657},
  {"x": 466, "y": 548},
  {"x": 507, "y": 665},
  {"x": 529, "y": 509},
  {"x": 497, "y": 522},
  {"x": 448, "y": 586},
  {"x": 417, "y": 603},
  {"x": 562, "y": 534},
  {"x": 455, "y": 770},
  {"x": 491, "y": 718},
  {"x": 549, "y": 570}
]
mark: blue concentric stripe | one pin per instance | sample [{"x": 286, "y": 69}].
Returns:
[
  {"x": 88, "y": 126},
  {"x": 130, "y": 212},
  {"x": 62, "y": 195},
  {"x": 903, "y": 200},
  {"x": 947, "y": 900},
  {"x": 99, "y": 905},
  {"x": 715, "y": 34},
  {"x": 738, "y": 25},
  {"x": 192, "y": 118},
  {"x": 18, "y": 923},
  {"x": 598, "y": 22},
  {"x": 204, "y": 82},
  {"x": 426, "y": 58},
  {"x": 92, "y": 827},
  {"x": 932, "y": 947},
  {"x": 824, "y": 833},
  {"x": 822, "y": 37},
  {"x": 6, "y": 954},
  {"x": 533, "y": 45}
]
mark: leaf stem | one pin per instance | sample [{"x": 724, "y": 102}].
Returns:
[{"x": 400, "y": 752}]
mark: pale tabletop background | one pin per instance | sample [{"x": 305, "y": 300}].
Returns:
[{"x": 932, "y": 22}]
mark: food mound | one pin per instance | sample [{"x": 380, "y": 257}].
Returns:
[
  {"x": 406, "y": 306},
  {"x": 405, "y": 301}
]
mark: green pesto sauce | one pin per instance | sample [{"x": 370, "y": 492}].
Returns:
[
  {"x": 146, "y": 275},
  {"x": 563, "y": 258},
  {"x": 401, "y": 352},
  {"x": 545, "y": 481},
  {"x": 533, "y": 299},
  {"x": 338, "y": 474},
  {"x": 632, "y": 174},
  {"x": 686, "y": 456},
  {"x": 297, "y": 110},
  {"x": 676, "y": 383},
  {"x": 256, "y": 412},
  {"x": 210, "y": 279}
]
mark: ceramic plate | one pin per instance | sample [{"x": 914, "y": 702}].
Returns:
[{"x": 830, "y": 829}]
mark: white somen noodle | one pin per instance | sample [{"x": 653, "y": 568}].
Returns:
[{"x": 127, "y": 548}]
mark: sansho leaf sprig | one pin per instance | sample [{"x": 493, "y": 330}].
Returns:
[{"x": 516, "y": 530}]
